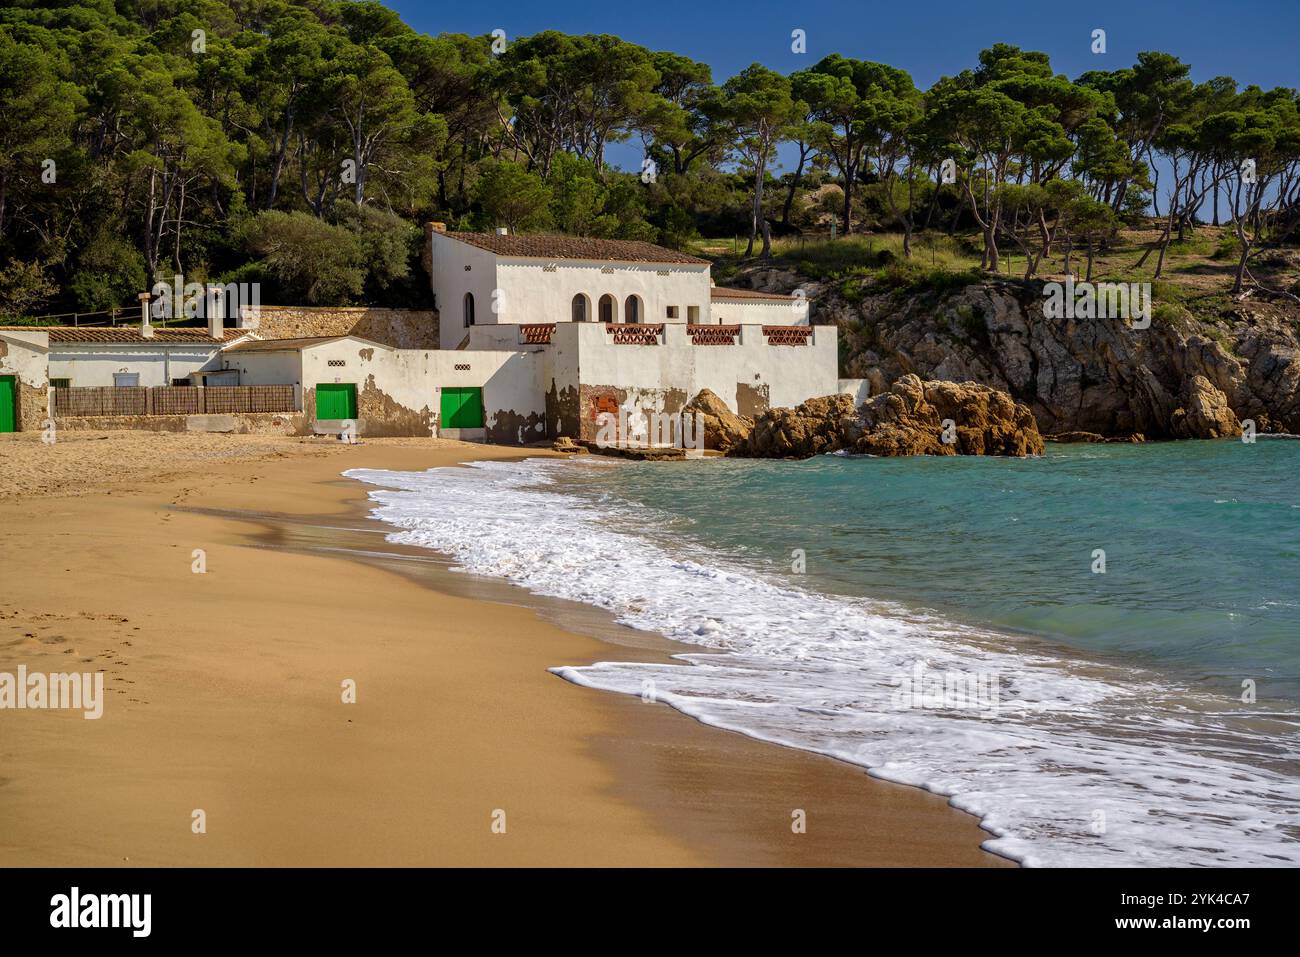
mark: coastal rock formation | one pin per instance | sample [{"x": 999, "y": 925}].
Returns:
[
  {"x": 1086, "y": 437},
  {"x": 568, "y": 446},
  {"x": 1204, "y": 413},
  {"x": 723, "y": 429},
  {"x": 912, "y": 418},
  {"x": 1076, "y": 375},
  {"x": 826, "y": 424}
]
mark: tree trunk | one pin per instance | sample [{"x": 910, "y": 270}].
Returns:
[
  {"x": 794, "y": 185},
  {"x": 756, "y": 213},
  {"x": 850, "y": 174}
]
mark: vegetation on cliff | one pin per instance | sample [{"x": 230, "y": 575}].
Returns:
[{"x": 301, "y": 145}]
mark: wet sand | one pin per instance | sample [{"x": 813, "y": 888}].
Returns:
[{"x": 226, "y": 693}]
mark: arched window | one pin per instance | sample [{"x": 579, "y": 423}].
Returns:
[
  {"x": 469, "y": 309},
  {"x": 606, "y": 306},
  {"x": 632, "y": 309},
  {"x": 581, "y": 308}
]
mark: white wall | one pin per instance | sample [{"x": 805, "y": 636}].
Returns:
[
  {"x": 93, "y": 364},
  {"x": 539, "y": 291},
  {"x": 860, "y": 389},
  {"x": 452, "y": 280},
  {"x": 511, "y": 379},
  {"x": 760, "y": 312},
  {"x": 25, "y": 355},
  {"x": 281, "y": 367}
]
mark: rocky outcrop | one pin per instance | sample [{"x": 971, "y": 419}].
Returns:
[
  {"x": 1086, "y": 437},
  {"x": 819, "y": 426},
  {"x": 568, "y": 446},
  {"x": 1076, "y": 375},
  {"x": 723, "y": 429},
  {"x": 912, "y": 418}
]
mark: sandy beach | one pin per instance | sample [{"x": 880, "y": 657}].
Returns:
[{"x": 225, "y": 690}]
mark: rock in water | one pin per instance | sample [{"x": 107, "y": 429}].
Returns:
[
  {"x": 912, "y": 418},
  {"x": 1204, "y": 413},
  {"x": 567, "y": 445},
  {"x": 723, "y": 429}
]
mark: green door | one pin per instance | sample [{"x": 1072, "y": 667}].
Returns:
[
  {"x": 462, "y": 408},
  {"x": 8, "y": 403},
  {"x": 336, "y": 400}
]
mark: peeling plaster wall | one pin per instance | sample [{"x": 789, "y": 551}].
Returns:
[
  {"x": 753, "y": 400},
  {"x": 585, "y": 373},
  {"x": 24, "y": 355}
]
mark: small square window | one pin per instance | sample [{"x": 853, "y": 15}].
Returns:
[
  {"x": 672, "y": 312},
  {"x": 61, "y": 383},
  {"x": 693, "y": 315},
  {"x": 126, "y": 379}
]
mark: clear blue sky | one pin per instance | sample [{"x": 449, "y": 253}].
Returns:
[{"x": 1256, "y": 41}]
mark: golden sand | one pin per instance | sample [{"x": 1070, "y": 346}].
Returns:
[{"x": 225, "y": 693}]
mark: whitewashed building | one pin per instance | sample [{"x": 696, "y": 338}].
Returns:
[{"x": 538, "y": 337}]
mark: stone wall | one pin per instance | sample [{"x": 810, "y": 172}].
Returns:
[
  {"x": 400, "y": 328},
  {"x": 33, "y": 407},
  {"x": 259, "y": 423}
]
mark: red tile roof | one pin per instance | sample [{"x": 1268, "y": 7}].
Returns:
[
  {"x": 129, "y": 334},
  {"x": 726, "y": 292},
  {"x": 574, "y": 247}
]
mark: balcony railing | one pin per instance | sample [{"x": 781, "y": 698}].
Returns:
[
  {"x": 713, "y": 335},
  {"x": 635, "y": 333},
  {"x": 788, "y": 335},
  {"x": 536, "y": 334}
]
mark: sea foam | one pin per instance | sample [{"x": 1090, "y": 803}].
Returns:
[{"x": 1079, "y": 763}]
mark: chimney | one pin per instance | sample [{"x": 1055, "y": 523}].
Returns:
[
  {"x": 216, "y": 313},
  {"x": 503, "y": 231},
  {"x": 146, "y": 330}
]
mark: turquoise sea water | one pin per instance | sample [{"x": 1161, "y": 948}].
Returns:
[
  {"x": 1201, "y": 542},
  {"x": 948, "y": 629}
]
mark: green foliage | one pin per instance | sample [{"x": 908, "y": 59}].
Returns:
[
  {"x": 914, "y": 277},
  {"x": 23, "y": 287},
  {"x": 306, "y": 259},
  {"x": 109, "y": 273},
  {"x": 511, "y": 196},
  {"x": 126, "y": 154}
]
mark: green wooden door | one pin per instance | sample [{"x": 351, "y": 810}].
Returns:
[
  {"x": 462, "y": 408},
  {"x": 336, "y": 400},
  {"x": 8, "y": 403}
]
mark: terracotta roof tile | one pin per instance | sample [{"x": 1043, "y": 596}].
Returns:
[
  {"x": 574, "y": 247},
  {"x": 123, "y": 334},
  {"x": 726, "y": 292}
]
